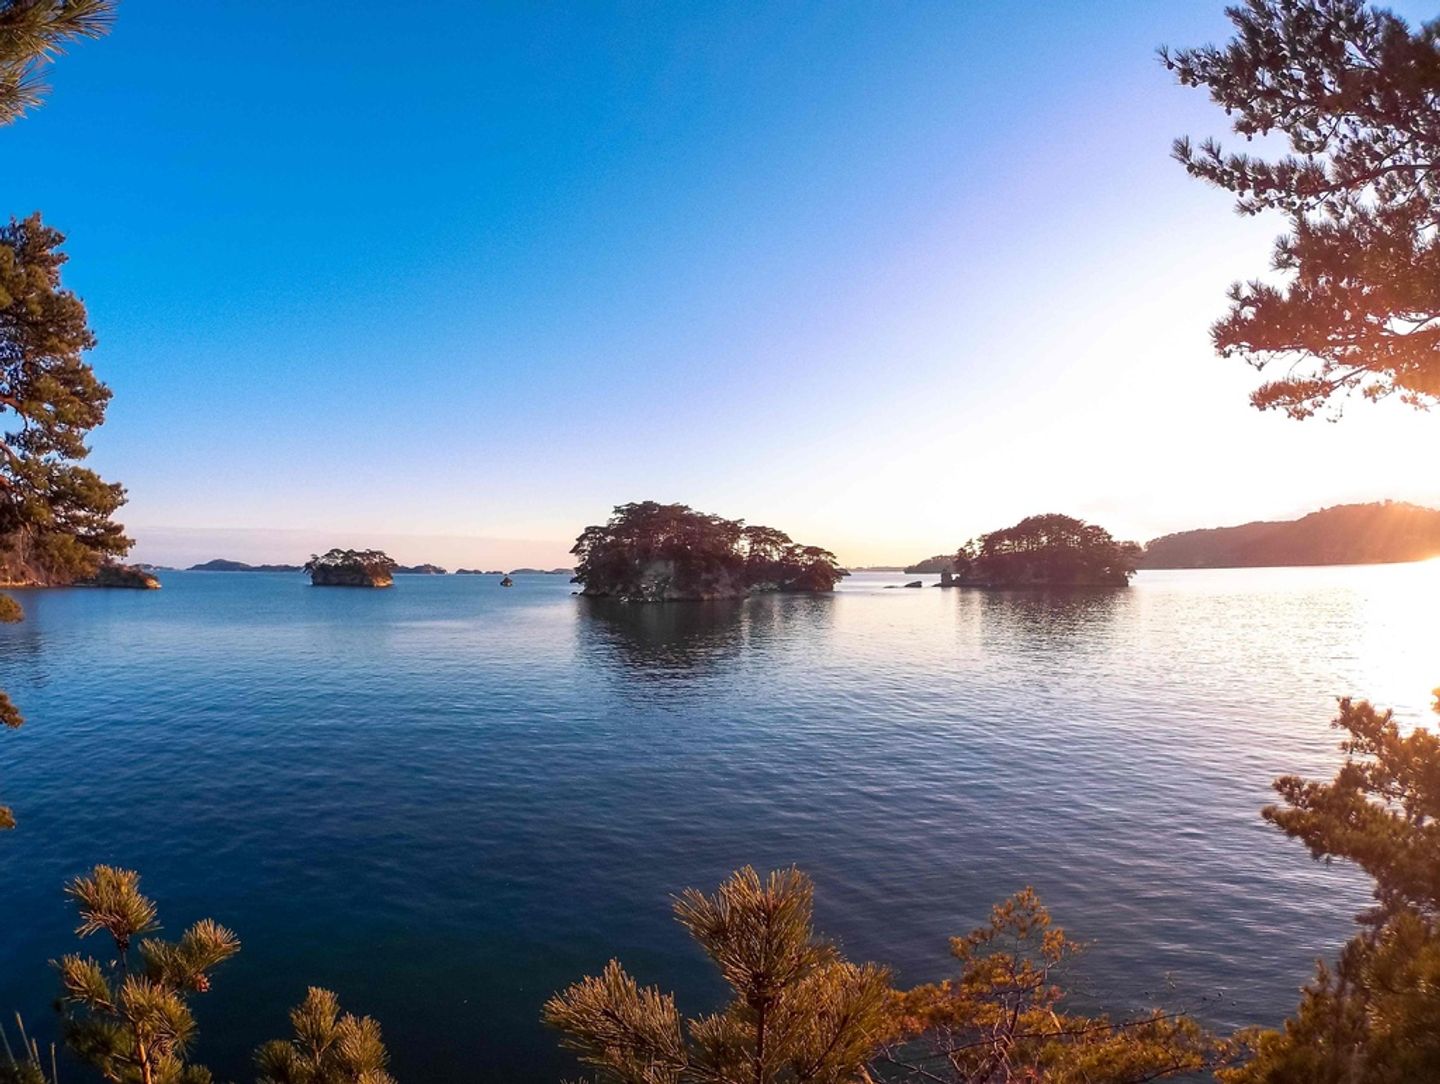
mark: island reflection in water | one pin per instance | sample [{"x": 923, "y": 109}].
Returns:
[{"x": 447, "y": 800}]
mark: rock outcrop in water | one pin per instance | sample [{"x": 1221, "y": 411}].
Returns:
[
  {"x": 652, "y": 552},
  {"x": 351, "y": 568},
  {"x": 130, "y": 576}
]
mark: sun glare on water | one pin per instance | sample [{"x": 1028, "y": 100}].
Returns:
[{"x": 1398, "y": 653}]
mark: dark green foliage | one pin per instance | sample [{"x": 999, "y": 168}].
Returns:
[
  {"x": 1348, "y": 534},
  {"x": 132, "y": 1023},
  {"x": 55, "y": 522},
  {"x": 1381, "y": 811},
  {"x": 132, "y": 577},
  {"x": 328, "y": 1048},
  {"x": 1375, "y": 1016},
  {"x": 25, "y": 1066},
  {"x": 1353, "y": 90},
  {"x": 652, "y": 552},
  {"x": 351, "y": 568},
  {"x": 32, "y": 32},
  {"x": 1048, "y": 550}
]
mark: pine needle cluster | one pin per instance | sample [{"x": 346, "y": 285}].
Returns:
[
  {"x": 1373, "y": 1016},
  {"x": 329, "y": 1047},
  {"x": 800, "y": 1013},
  {"x": 131, "y": 1020},
  {"x": 32, "y": 34},
  {"x": 1352, "y": 88}
]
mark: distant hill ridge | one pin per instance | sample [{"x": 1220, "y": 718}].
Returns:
[
  {"x": 1347, "y": 534},
  {"x": 220, "y": 564},
  {"x": 942, "y": 562}
]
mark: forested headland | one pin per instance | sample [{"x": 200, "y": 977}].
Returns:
[{"x": 1347, "y": 534}]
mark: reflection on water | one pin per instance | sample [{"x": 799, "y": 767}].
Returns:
[
  {"x": 447, "y": 800},
  {"x": 1050, "y": 622},
  {"x": 655, "y": 642}
]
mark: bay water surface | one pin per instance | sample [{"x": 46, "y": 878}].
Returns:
[{"x": 447, "y": 800}]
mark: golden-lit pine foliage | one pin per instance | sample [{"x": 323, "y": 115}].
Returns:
[
  {"x": 329, "y": 1047},
  {"x": 133, "y": 1023},
  {"x": 799, "y": 1012},
  {"x": 1001, "y": 1018},
  {"x": 1374, "y": 1017}
]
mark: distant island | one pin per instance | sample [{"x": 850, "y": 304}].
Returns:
[
  {"x": 1346, "y": 534},
  {"x": 944, "y": 562},
  {"x": 419, "y": 570},
  {"x": 542, "y": 572},
  {"x": 351, "y": 568},
  {"x": 222, "y": 565},
  {"x": 1045, "y": 551},
  {"x": 651, "y": 552}
]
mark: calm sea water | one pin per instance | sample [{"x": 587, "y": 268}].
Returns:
[{"x": 446, "y": 800}]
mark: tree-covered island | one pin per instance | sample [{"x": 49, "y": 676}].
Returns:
[
  {"x": 651, "y": 552},
  {"x": 351, "y": 568},
  {"x": 1047, "y": 551}
]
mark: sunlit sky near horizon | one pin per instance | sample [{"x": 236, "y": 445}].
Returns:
[{"x": 882, "y": 275}]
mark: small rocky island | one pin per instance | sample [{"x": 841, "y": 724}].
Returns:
[
  {"x": 1046, "y": 551},
  {"x": 650, "y": 552},
  {"x": 351, "y": 568},
  {"x": 115, "y": 575},
  {"x": 942, "y": 563}
]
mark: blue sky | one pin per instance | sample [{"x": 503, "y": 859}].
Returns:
[{"x": 884, "y": 275}]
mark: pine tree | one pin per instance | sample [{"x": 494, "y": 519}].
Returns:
[
  {"x": 328, "y": 1048},
  {"x": 55, "y": 515},
  {"x": 798, "y": 1011},
  {"x": 130, "y": 1019},
  {"x": 1375, "y": 1016},
  {"x": 32, "y": 32},
  {"x": 1353, "y": 89},
  {"x": 1003, "y": 1019}
]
